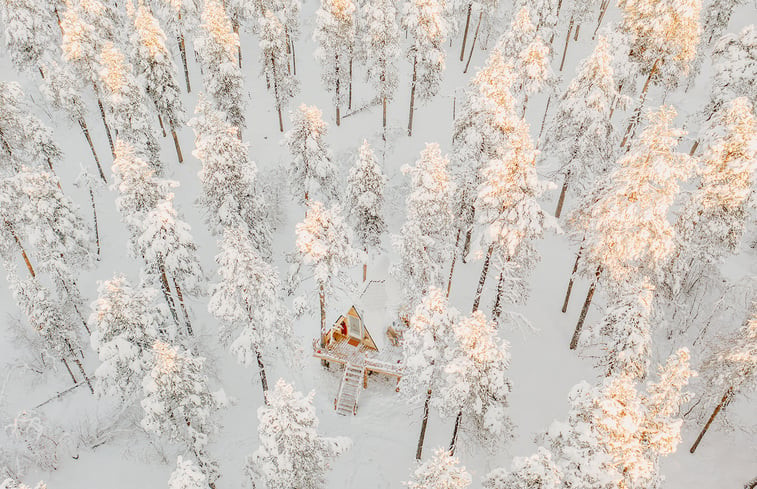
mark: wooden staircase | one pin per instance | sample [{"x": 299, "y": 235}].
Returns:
[{"x": 349, "y": 391}]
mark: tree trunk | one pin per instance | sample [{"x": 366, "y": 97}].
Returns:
[
  {"x": 412, "y": 97},
  {"x": 544, "y": 118},
  {"x": 85, "y": 130},
  {"x": 160, "y": 121},
  {"x": 575, "y": 36},
  {"x": 70, "y": 372},
  {"x": 276, "y": 92},
  {"x": 336, "y": 72},
  {"x": 183, "y": 51},
  {"x": 465, "y": 32},
  {"x": 466, "y": 246},
  {"x": 365, "y": 265},
  {"x": 263, "y": 379},
  {"x": 424, "y": 424},
  {"x": 482, "y": 280},
  {"x": 453, "y": 443},
  {"x": 167, "y": 293},
  {"x": 567, "y": 40},
  {"x": 584, "y": 310},
  {"x": 183, "y": 307},
  {"x": 497, "y": 309},
  {"x": 349, "y": 96},
  {"x": 570, "y": 282},
  {"x": 454, "y": 259},
  {"x": 561, "y": 200},
  {"x": 29, "y": 267},
  {"x": 383, "y": 116},
  {"x": 294, "y": 60},
  {"x": 235, "y": 27},
  {"x": 94, "y": 216},
  {"x": 79, "y": 365},
  {"x": 751, "y": 484},
  {"x": 105, "y": 123},
  {"x": 176, "y": 144},
  {"x": 322, "y": 300},
  {"x": 637, "y": 113},
  {"x": 602, "y": 10},
  {"x": 475, "y": 37},
  {"x": 694, "y": 148},
  {"x": 723, "y": 402}
]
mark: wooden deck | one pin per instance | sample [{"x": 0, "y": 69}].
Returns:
[{"x": 340, "y": 351}]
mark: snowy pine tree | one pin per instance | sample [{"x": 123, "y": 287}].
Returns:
[
  {"x": 425, "y": 345},
  {"x": 216, "y": 44},
  {"x": 735, "y": 66},
  {"x": 179, "y": 405},
  {"x": 581, "y": 132},
  {"x": 729, "y": 369},
  {"x": 154, "y": 63},
  {"x": 126, "y": 322},
  {"x": 292, "y": 455},
  {"x": 476, "y": 387},
  {"x": 187, "y": 476},
  {"x": 31, "y": 33},
  {"x": 335, "y": 35},
  {"x": 424, "y": 242},
  {"x": 228, "y": 176},
  {"x": 507, "y": 206},
  {"x": 125, "y": 97},
  {"x": 365, "y": 199},
  {"x": 324, "y": 242},
  {"x": 275, "y": 60},
  {"x": 442, "y": 471},
  {"x": 247, "y": 298},
  {"x": 26, "y": 141},
  {"x": 717, "y": 15},
  {"x": 170, "y": 253},
  {"x": 625, "y": 225},
  {"x": 311, "y": 171},
  {"x": 538, "y": 471},
  {"x": 427, "y": 26},
  {"x": 714, "y": 219},
  {"x": 380, "y": 42}
]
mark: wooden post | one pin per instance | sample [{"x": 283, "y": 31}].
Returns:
[
  {"x": 465, "y": 32},
  {"x": 412, "y": 96},
  {"x": 584, "y": 310},
  {"x": 424, "y": 424},
  {"x": 723, "y": 402},
  {"x": 365, "y": 265},
  {"x": 482, "y": 280},
  {"x": 570, "y": 282}
]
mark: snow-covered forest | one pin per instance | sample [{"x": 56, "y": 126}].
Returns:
[{"x": 342, "y": 244}]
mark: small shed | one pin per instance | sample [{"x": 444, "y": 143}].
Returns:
[{"x": 351, "y": 329}]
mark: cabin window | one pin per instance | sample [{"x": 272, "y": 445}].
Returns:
[{"x": 353, "y": 327}]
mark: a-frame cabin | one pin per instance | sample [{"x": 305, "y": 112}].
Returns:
[{"x": 349, "y": 343}]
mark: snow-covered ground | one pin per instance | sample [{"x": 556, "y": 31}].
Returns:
[{"x": 385, "y": 430}]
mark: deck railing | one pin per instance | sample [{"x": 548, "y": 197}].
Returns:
[{"x": 370, "y": 363}]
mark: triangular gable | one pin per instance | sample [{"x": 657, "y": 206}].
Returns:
[{"x": 365, "y": 328}]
